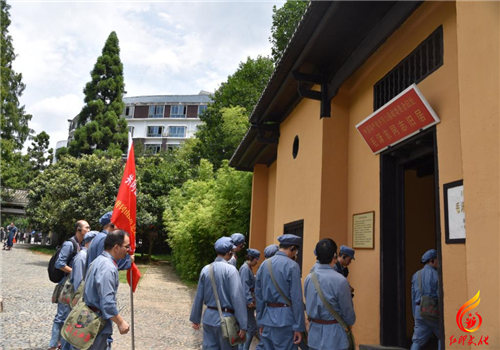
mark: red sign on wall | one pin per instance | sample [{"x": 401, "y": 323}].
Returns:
[{"x": 402, "y": 117}]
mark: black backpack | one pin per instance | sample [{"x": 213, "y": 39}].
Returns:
[{"x": 56, "y": 275}]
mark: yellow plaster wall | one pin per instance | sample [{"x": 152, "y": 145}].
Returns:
[
  {"x": 479, "y": 89},
  {"x": 315, "y": 187},
  {"x": 441, "y": 90},
  {"x": 298, "y": 181},
  {"x": 259, "y": 208}
]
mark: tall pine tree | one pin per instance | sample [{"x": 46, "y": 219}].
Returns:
[
  {"x": 100, "y": 126},
  {"x": 14, "y": 121}
]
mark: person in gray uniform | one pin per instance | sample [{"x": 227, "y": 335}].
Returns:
[
  {"x": 280, "y": 307},
  {"x": 101, "y": 286},
  {"x": 231, "y": 298},
  {"x": 325, "y": 333},
  {"x": 239, "y": 242},
  {"x": 430, "y": 286},
  {"x": 248, "y": 283},
  {"x": 345, "y": 258},
  {"x": 97, "y": 246},
  {"x": 65, "y": 263}
]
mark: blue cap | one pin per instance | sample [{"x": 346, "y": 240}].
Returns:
[
  {"x": 271, "y": 250},
  {"x": 253, "y": 253},
  {"x": 345, "y": 250},
  {"x": 89, "y": 236},
  {"x": 237, "y": 238},
  {"x": 428, "y": 255},
  {"x": 289, "y": 239},
  {"x": 106, "y": 218},
  {"x": 224, "y": 245}
]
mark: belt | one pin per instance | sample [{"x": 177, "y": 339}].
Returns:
[
  {"x": 224, "y": 309},
  {"x": 277, "y": 305},
  {"x": 94, "y": 308},
  {"x": 317, "y": 320}
]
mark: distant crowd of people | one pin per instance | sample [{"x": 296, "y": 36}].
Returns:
[{"x": 12, "y": 235}]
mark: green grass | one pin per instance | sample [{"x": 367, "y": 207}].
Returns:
[
  {"x": 122, "y": 275},
  {"x": 43, "y": 250},
  {"x": 154, "y": 257}
]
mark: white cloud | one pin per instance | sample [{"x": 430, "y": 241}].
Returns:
[{"x": 166, "y": 48}]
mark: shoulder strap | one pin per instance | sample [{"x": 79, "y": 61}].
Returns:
[
  {"x": 420, "y": 281},
  {"x": 271, "y": 273},
  {"x": 214, "y": 288},
  {"x": 328, "y": 306}
]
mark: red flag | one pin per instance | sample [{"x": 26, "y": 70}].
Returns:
[{"x": 124, "y": 211}]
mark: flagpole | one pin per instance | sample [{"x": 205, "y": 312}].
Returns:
[{"x": 132, "y": 309}]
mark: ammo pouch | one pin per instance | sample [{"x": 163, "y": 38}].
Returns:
[
  {"x": 67, "y": 292},
  {"x": 55, "y": 294},
  {"x": 429, "y": 306},
  {"x": 82, "y": 326},
  {"x": 228, "y": 325}
]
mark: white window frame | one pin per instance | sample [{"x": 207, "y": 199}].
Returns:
[
  {"x": 177, "y": 126},
  {"x": 204, "y": 109},
  {"x": 178, "y": 115},
  {"x": 161, "y": 129},
  {"x": 156, "y": 113}
]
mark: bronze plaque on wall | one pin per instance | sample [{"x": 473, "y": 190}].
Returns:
[{"x": 363, "y": 230}]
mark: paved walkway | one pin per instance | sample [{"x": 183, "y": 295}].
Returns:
[{"x": 161, "y": 303}]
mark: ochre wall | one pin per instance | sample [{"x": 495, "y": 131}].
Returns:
[
  {"x": 335, "y": 174},
  {"x": 478, "y": 80},
  {"x": 298, "y": 181},
  {"x": 441, "y": 90},
  {"x": 259, "y": 208}
]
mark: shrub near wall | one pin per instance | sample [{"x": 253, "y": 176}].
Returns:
[{"x": 203, "y": 210}]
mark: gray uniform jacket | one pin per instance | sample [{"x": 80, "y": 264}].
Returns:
[
  {"x": 79, "y": 263},
  {"x": 337, "y": 292},
  {"x": 230, "y": 293},
  {"x": 430, "y": 285},
  {"x": 101, "y": 286},
  {"x": 287, "y": 275},
  {"x": 248, "y": 282}
]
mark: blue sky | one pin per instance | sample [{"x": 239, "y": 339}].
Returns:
[{"x": 166, "y": 48}]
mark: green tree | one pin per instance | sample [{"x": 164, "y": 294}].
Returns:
[
  {"x": 234, "y": 126},
  {"x": 14, "y": 120},
  {"x": 73, "y": 189},
  {"x": 40, "y": 155},
  {"x": 285, "y": 21},
  {"x": 203, "y": 210},
  {"x": 243, "y": 89},
  {"x": 100, "y": 126}
]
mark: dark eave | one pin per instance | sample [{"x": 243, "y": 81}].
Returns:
[{"x": 333, "y": 40}]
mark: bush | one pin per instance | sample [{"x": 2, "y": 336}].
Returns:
[{"x": 202, "y": 211}]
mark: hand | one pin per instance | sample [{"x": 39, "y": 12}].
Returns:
[
  {"x": 241, "y": 333},
  {"x": 132, "y": 258},
  {"x": 251, "y": 305},
  {"x": 352, "y": 290},
  {"x": 123, "y": 327},
  {"x": 196, "y": 326},
  {"x": 260, "y": 330},
  {"x": 297, "y": 338}
]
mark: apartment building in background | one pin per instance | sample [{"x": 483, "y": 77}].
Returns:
[
  {"x": 159, "y": 122},
  {"x": 164, "y": 122}
]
